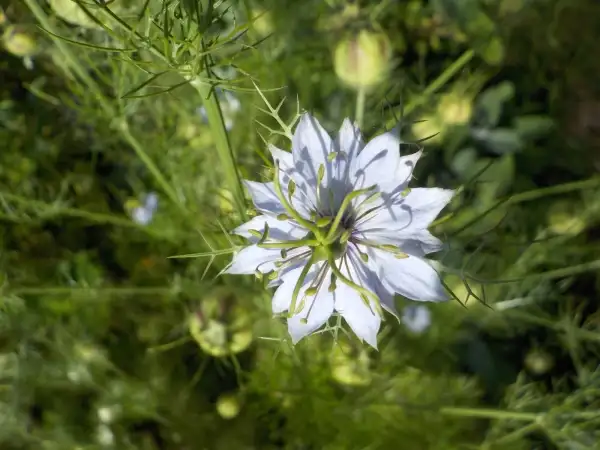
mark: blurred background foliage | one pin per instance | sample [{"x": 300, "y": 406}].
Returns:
[{"x": 123, "y": 127}]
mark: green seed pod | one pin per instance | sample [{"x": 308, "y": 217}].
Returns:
[
  {"x": 455, "y": 109},
  {"x": 538, "y": 362},
  {"x": 70, "y": 11},
  {"x": 563, "y": 218},
  {"x": 262, "y": 22},
  {"x": 229, "y": 405},
  {"x": 363, "y": 61},
  {"x": 18, "y": 42},
  {"x": 220, "y": 326}
]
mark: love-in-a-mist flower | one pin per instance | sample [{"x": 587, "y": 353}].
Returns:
[{"x": 341, "y": 231}]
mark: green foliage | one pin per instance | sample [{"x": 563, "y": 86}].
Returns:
[{"x": 126, "y": 128}]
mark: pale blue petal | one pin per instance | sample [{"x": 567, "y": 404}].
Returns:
[
  {"x": 416, "y": 318},
  {"x": 414, "y": 212},
  {"x": 281, "y": 230},
  {"x": 311, "y": 146},
  {"x": 349, "y": 141},
  {"x": 316, "y": 309},
  {"x": 264, "y": 197},
  {"x": 411, "y": 277},
  {"x": 304, "y": 198},
  {"x": 377, "y": 163},
  {"x": 363, "y": 321},
  {"x": 414, "y": 242},
  {"x": 283, "y": 295},
  {"x": 252, "y": 258}
]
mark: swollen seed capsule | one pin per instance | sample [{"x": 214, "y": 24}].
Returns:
[
  {"x": 283, "y": 216},
  {"x": 363, "y": 61},
  {"x": 18, "y": 42},
  {"x": 228, "y": 406},
  {"x": 291, "y": 187},
  {"x": 321, "y": 173},
  {"x": 311, "y": 291}
]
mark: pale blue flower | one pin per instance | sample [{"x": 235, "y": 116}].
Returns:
[
  {"x": 340, "y": 231},
  {"x": 416, "y": 318},
  {"x": 144, "y": 213}
]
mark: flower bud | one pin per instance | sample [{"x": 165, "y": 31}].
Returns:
[
  {"x": 221, "y": 326},
  {"x": 228, "y": 406},
  {"x": 454, "y": 109},
  {"x": 363, "y": 60},
  {"x": 262, "y": 22},
  {"x": 563, "y": 219},
  {"x": 538, "y": 362},
  {"x": 18, "y": 42}
]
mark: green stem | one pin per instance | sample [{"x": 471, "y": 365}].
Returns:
[
  {"x": 368, "y": 294},
  {"x": 299, "y": 283},
  {"x": 434, "y": 86},
  {"x": 290, "y": 244},
  {"x": 222, "y": 143},
  {"x": 512, "y": 415},
  {"x": 54, "y": 290},
  {"x": 109, "y": 110},
  {"x": 532, "y": 195},
  {"x": 360, "y": 107},
  {"x": 489, "y": 413},
  {"x": 548, "y": 275}
]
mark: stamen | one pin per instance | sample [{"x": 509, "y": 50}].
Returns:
[
  {"x": 361, "y": 290},
  {"x": 299, "y": 283},
  {"x": 255, "y": 233},
  {"x": 332, "y": 284},
  {"x": 283, "y": 216},
  {"x": 265, "y": 234},
  {"x": 288, "y": 207},
  {"x": 363, "y": 256},
  {"x": 333, "y": 231},
  {"x": 345, "y": 236},
  {"x": 289, "y": 244}
]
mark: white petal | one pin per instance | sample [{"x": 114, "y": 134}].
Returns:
[
  {"x": 406, "y": 166},
  {"x": 315, "y": 309},
  {"x": 281, "y": 157},
  {"x": 416, "y": 318},
  {"x": 411, "y": 277},
  {"x": 264, "y": 197},
  {"x": 414, "y": 212},
  {"x": 349, "y": 140},
  {"x": 414, "y": 242},
  {"x": 311, "y": 146},
  {"x": 363, "y": 320},
  {"x": 304, "y": 198},
  {"x": 252, "y": 258},
  {"x": 281, "y": 230},
  {"x": 283, "y": 295},
  {"x": 376, "y": 164}
]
